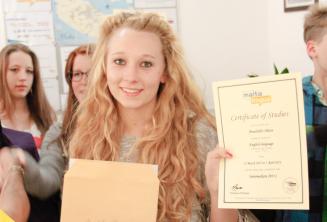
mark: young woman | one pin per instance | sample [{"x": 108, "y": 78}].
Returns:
[
  {"x": 142, "y": 106},
  {"x": 44, "y": 178},
  {"x": 25, "y": 113},
  {"x": 23, "y": 104}
]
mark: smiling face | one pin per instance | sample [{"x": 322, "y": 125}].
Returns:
[
  {"x": 135, "y": 68},
  {"x": 19, "y": 74}
]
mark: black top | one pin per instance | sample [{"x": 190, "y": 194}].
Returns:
[{"x": 3, "y": 139}]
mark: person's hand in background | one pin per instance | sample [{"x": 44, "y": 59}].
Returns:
[{"x": 13, "y": 198}]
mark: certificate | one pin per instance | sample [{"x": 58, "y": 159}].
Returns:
[{"x": 262, "y": 121}]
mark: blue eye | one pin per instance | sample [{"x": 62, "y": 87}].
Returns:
[
  {"x": 146, "y": 64},
  {"x": 119, "y": 62}
]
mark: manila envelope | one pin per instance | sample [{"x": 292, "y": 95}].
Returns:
[{"x": 104, "y": 191}]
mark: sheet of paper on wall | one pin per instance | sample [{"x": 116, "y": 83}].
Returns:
[
  {"x": 155, "y": 4},
  {"x": 3, "y": 40},
  {"x": 29, "y": 28},
  {"x": 169, "y": 13},
  {"x": 64, "y": 53},
  {"x": 110, "y": 191},
  {"x": 51, "y": 88},
  {"x": 48, "y": 60},
  {"x": 27, "y": 5},
  {"x": 63, "y": 101}
]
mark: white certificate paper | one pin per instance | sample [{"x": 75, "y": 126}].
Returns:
[{"x": 262, "y": 121}]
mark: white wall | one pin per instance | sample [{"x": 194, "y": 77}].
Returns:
[
  {"x": 224, "y": 39},
  {"x": 227, "y": 40},
  {"x": 286, "y": 45}
]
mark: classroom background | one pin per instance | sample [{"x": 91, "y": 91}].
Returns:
[{"x": 222, "y": 39}]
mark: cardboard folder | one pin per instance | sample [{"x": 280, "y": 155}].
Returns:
[{"x": 110, "y": 192}]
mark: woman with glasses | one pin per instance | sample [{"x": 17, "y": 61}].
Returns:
[
  {"x": 44, "y": 178},
  {"x": 77, "y": 69}
]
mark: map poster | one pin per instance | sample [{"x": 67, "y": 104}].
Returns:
[{"x": 77, "y": 22}]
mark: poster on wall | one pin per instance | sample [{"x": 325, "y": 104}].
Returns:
[
  {"x": 26, "y": 5},
  {"x": 48, "y": 60},
  {"x": 49, "y": 27},
  {"x": 2, "y": 29},
  {"x": 51, "y": 87},
  {"x": 29, "y": 28},
  {"x": 77, "y": 22},
  {"x": 63, "y": 100},
  {"x": 64, "y": 52}
]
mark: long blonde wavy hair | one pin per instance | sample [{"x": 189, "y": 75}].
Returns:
[{"x": 170, "y": 141}]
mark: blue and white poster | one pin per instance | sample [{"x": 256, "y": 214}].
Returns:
[{"x": 77, "y": 21}]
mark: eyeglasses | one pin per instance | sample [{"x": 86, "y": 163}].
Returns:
[{"x": 77, "y": 76}]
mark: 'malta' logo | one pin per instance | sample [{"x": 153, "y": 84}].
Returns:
[
  {"x": 252, "y": 93},
  {"x": 257, "y": 97}
]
